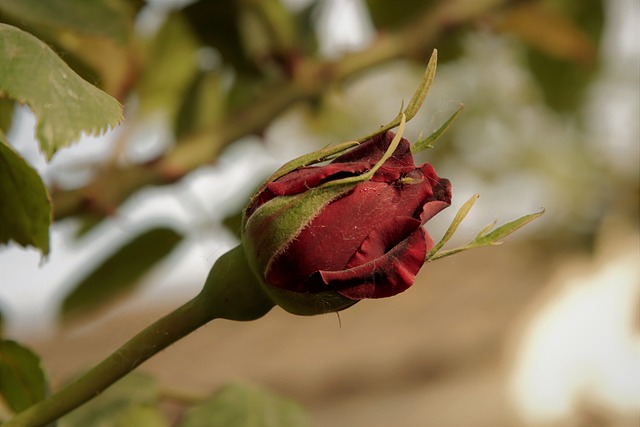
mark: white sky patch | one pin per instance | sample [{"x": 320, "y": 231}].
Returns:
[{"x": 343, "y": 26}]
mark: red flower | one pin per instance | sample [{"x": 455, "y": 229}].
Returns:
[{"x": 364, "y": 241}]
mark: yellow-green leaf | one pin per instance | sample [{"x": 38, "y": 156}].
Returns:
[
  {"x": 25, "y": 212},
  {"x": 22, "y": 380},
  {"x": 101, "y": 18},
  {"x": 203, "y": 104},
  {"x": 141, "y": 416},
  {"x": 93, "y": 36},
  {"x": 65, "y": 105},
  {"x": 132, "y": 401},
  {"x": 171, "y": 66},
  {"x": 119, "y": 272},
  {"x": 7, "y": 106},
  {"x": 246, "y": 406}
]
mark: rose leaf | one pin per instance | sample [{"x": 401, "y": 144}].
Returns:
[
  {"x": 22, "y": 380},
  {"x": 64, "y": 104},
  {"x": 25, "y": 211},
  {"x": 246, "y": 406}
]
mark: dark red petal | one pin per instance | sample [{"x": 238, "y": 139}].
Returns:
[
  {"x": 388, "y": 275},
  {"x": 356, "y": 161},
  {"x": 371, "y": 151},
  {"x": 330, "y": 240},
  {"x": 441, "y": 197},
  {"x": 382, "y": 238},
  {"x": 441, "y": 186},
  {"x": 309, "y": 177}
]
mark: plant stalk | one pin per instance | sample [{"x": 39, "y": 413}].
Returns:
[{"x": 230, "y": 292}]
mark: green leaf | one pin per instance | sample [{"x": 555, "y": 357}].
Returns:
[
  {"x": 561, "y": 40},
  {"x": 25, "y": 212},
  {"x": 120, "y": 272},
  {"x": 305, "y": 27},
  {"x": 217, "y": 24},
  {"x": 203, "y": 104},
  {"x": 22, "y": 380},
  {"x": 395, "y": 14},
  {"x": 142, "y": 416},
  {"x": 6, "y": 114},
  {"x": 131, "y": 399},
  {"x": 91, "y": 35},
  {"x": 87, "y": 222},
  {"x": 65, "y": 105},
  {"x": 101, "y": 18},
  {"x": 170, "y": 68},
  {"x": 431, "y": 139},
  {"x": 246, "y": 406}
]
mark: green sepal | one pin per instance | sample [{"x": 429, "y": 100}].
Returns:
[
  {"x": 325, "y": 153},
  {"x": 457, "y": 220},
  {"x": 416, "y": 100},
  {"x": 308, "y": 304},
  {"x": 270, "y": 229},
  {"x": 423, "y": 144},
  {"x": 485, "y": 237},
  {"x": 232, "y": 291}
]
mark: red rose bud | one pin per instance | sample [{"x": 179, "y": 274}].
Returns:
[{"x": 321, "y": 238}]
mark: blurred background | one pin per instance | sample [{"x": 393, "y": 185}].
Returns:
[{"x": 541, "y": 331}]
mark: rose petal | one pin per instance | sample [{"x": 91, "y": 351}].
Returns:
[
  {"x": 385, "y": 276},
  {"x": 369, "y": 243},
  {"x": 441, "y": 197},
  {"x": 382, "y": 238},
  {"x": 331, "y": 239},
  {"x": 441, "y": 186},
  {"x": 310, "y": 177},
  {"x": 371, "y": 151},
  {"x": 356, "y": 161}
]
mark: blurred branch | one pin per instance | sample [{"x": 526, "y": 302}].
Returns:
[{"x": 311, "y": 77}]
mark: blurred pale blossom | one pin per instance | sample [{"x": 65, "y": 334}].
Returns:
[{"x": 581, "y": 347}]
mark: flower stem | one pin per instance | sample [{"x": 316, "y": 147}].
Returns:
[{"x": 230, "y": 292}]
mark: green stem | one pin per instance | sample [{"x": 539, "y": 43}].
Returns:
[{"x": 230, "y": 292}]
